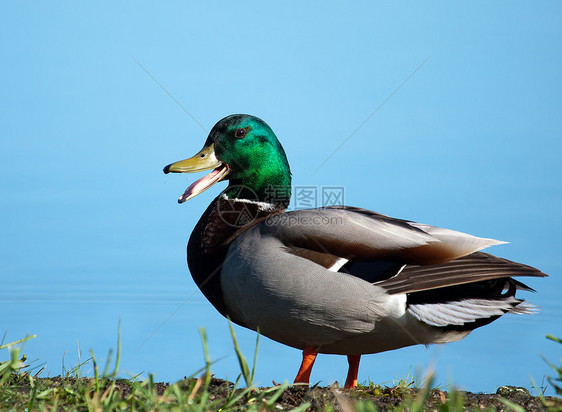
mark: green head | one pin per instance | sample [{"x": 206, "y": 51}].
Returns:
[{"x": 243, "y": 150}]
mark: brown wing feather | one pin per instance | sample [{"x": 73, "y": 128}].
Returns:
[
  {"x": 323, "y": 259},
  {"x": 476, "y": 267},
  {"x": 358, "y": 234}
]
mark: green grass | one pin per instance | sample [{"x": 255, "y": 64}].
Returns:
[
  {"x": 556, "y": 382},
  {"x": 22, "y": 388}
]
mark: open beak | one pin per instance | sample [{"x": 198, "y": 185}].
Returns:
[{"x": 204, "y": 160}]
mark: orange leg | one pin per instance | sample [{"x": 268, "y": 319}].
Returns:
[
  {"x": 308, "y": 357},
  {"x": 351, "y": 381}
]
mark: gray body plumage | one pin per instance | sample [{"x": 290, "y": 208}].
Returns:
[{"x": 279, "y": 278}]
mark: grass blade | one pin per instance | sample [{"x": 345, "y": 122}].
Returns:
[
  {"x": 241, "y": 359},
  {"x": 206, "y": 355},
  {"x": 256, "y": 355},
  {"x": 7, "y": 345}
]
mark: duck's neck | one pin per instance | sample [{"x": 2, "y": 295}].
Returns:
[
  {"x": 209, "y": 242},
  {"x": 275, "y": 190}
]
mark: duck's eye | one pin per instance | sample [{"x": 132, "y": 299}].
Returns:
[{"x": 240, "y": 133}]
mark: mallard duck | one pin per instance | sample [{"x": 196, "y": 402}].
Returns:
[{"x": 338, "y": 280}]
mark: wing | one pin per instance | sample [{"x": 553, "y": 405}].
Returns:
[
  {"x": 397, "y": 255},
  {"x": 324, "y": 235}
]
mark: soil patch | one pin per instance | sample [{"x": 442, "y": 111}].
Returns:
[{"x": 335, "y": 398}]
